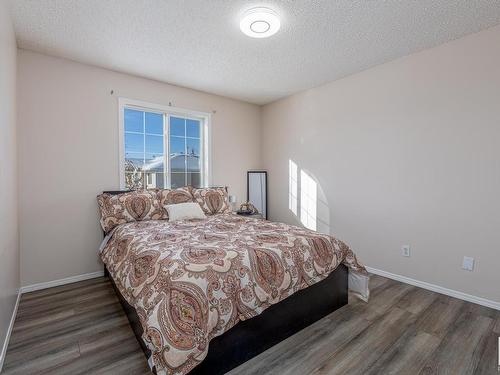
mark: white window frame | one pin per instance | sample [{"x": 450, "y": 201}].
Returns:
[{"x": 167, "y": 111}]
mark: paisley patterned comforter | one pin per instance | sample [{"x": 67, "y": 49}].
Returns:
[{"x": 193, "y": 280}]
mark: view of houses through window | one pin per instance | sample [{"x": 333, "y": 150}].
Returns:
[
  {"x": 185, "y": 151},
  {"x": 149, "y": 137}
]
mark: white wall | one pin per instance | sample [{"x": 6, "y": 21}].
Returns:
[
  {"x": 406, "y": 153},
  {"x": 9, "y": 234},
  {"x": 68, "y": 153}
]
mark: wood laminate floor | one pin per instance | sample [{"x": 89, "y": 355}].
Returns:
[{"x": 81, "y": 328}]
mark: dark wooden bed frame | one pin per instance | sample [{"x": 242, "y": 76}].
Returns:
[{"x": 252, "y": 337}]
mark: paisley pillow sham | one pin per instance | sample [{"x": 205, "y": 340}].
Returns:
[
  {"x": 213, "y": 200},
  {"x": 127, "y": 207},
  {"x": 174, "y": 196}
]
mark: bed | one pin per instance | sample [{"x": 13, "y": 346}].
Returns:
[{"x": 204, "y": 296}]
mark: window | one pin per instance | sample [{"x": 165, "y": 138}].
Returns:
[
  {"x": 162, "y": 146},
  {"x": 185, "y": 151},
  {"x": 308, "y": 199}
]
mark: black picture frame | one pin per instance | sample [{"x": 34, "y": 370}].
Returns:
[{"x": 265, "y": 215}]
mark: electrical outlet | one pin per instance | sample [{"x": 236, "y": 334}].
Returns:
[
  {"x": 405, "y": 250},
  {"x": 468, "y": 263}
]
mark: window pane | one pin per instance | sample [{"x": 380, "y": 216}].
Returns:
[
  {"x": 178, "y": 163},
  {"x": 178, "y": 180},
  {"x": 193, "y": 163},
  {"x": 177, "y": 146},
  {"x": 177, "y": 126},
  {"x": 154, "y": 123},
  {"x": 193, "y": 146},
  {"x": 154, "y": 163},
  {"x": 133, "y": 180},
  {"x": 154, "y": 144},
  {"x": 193, "y": 128},
  {"x": 134, "y": 161},
  {"x": 194, "y": 179},
  {"x": 134, "y": 142},
  {"x": 134, "y": 121},
  {"x": 160, "y": 180},
  {"x": 193, "y": 154},
  {"x": 153, "y": 180}
]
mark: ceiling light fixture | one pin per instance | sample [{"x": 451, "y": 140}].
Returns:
[{"x": 260, "y": 22}]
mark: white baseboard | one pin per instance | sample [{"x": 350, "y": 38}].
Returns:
[
  {"x": 67, "y": 280},
  {"x": 9, "y": 331},
  {"x": 436, "y": 288}
]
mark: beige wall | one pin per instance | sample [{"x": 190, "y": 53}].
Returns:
[
  {"x": 9, "y": 235},
  {"x": 68, "y": 153},
  {"x": 406, "y": 153}
]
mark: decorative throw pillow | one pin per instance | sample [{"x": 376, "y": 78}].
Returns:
[
  {"x": 213, "y": 200},
  {"x": 183, "y": 211},
  {"x": 127, "y": 207}
]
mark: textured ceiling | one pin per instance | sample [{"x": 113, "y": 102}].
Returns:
[{"x": 198, "y": 44}]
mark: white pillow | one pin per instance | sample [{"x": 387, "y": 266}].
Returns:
[{"x": 182, "y": 211}]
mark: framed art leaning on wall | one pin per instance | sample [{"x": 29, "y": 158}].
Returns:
[{"x": 257, "y": 190}]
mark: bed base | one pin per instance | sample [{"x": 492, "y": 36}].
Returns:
[{"x": 252, "y": 337}]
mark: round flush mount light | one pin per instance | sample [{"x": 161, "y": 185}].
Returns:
[{"x": 260, "y": 23}]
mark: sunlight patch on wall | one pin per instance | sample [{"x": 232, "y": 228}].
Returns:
[
  {"x": 292, "y": 186},
  {"x": 322, "y": 212},
  {"x": 308, "y": 200}
]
